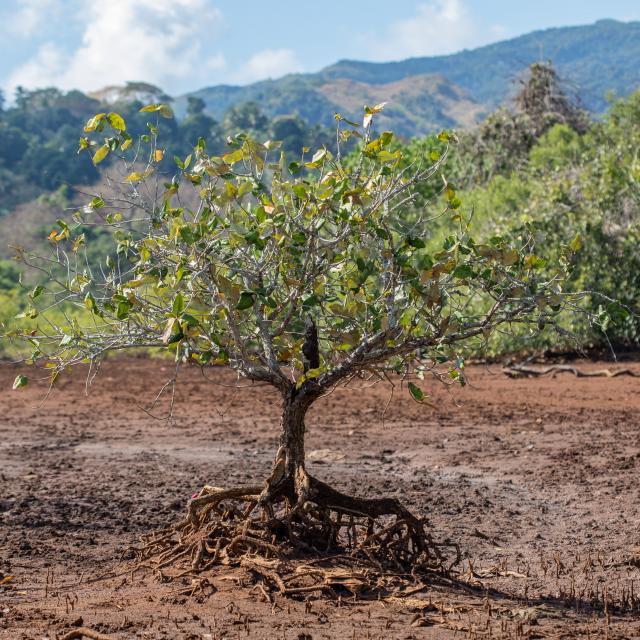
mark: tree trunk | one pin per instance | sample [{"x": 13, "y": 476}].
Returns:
[
  {"x": 289, "y": 480},
  {"x": 288, "y": 477}
]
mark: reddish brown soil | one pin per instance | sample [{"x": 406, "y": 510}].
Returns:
[{"x": 536, "y": 479}]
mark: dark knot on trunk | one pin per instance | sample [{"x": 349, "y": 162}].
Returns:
[{"x": 310, "y": 348}]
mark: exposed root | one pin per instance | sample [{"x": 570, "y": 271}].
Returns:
[
  {"x": 84, "y": 632},
  {"x": 321, "y": 541},
  {"x": 523, "y": 371}
]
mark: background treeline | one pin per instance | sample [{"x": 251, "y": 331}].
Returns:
[
  {"x": 39, "y": 137},
  {"x": 575, "y": 180},
  {"x": 540, "y": 162}
]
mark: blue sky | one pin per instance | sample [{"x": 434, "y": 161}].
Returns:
[{"x": 183, "y": 45}]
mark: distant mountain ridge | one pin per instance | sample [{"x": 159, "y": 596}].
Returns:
[{"x": 448, "y": 91}]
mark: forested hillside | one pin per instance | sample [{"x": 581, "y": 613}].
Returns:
[{"x": 453, "y": 90}]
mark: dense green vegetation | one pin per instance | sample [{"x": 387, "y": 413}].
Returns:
[{"x": 574, "y": 181}]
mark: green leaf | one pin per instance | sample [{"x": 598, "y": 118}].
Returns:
[
  {"x": 178, "y": 305},
  {"x": 300, "y": 190},
  {"x": 311, "y": 301},
  {"x": 534, "y": 262},
  {"x": 20, "y": 381},
  {"x": 190, "y": 321},
  {"x": 417, "y": 243},
  {"x": 416, "y": 392},
  {"x": 122, "y": 313},
  {"x": 246, "y": 300},
  {"x": 177, "y": 336},
  {"x": 464, "y": 271}
]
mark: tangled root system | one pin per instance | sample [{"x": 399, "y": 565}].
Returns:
[{"x": 329, "y": 542}]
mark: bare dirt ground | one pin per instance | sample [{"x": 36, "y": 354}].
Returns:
[{"x": 536, "y": 479}]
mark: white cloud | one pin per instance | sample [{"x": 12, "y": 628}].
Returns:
[
  {"x": 269, "y": 63},
  {"x": 32, "y": 15},
  {"x": 438, "y": 27},
  {"x": 157, "y": 41},
  {"x": 217, "y": 62},
  {"x": 41, "y": 70}
]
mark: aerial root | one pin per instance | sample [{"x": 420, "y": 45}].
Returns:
[{"x": 329, "y": 543}]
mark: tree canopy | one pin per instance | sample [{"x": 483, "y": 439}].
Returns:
[{"x": 227, "y": 260}]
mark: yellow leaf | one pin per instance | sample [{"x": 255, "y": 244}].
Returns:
[
  {"x": 133, "y": 177},
  {"x": 101, "y": 154},
  {"x": 117, "y": 121},
  {"x": 576, "y": 243},
  {"x": 92, "y": 124},
  {"x": 230, "y": 190},
  {"x": 132, "y": 284},
  {"x": 164, "y": 109},
  {"x": 166, "y": 336},
  {"x": 233, "y": 156},
  {"x": 158, "y": 155}
]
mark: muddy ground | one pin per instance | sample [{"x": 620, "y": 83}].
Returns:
[{"x": 536, "y": 479}]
